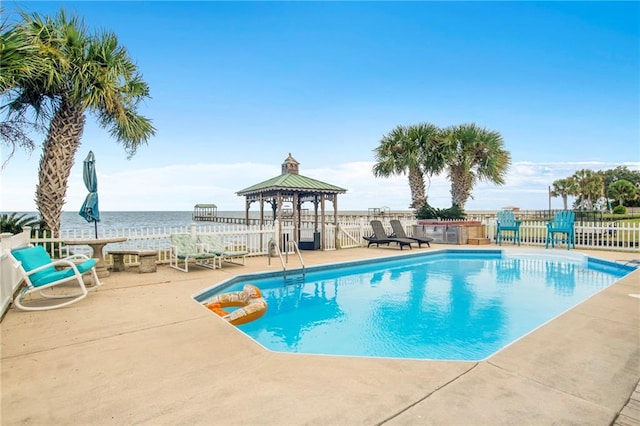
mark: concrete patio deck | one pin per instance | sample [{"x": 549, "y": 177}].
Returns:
[{"x": 139, "y": 350}]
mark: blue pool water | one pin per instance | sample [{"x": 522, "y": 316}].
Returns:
[{"x": 447, "y": 305}]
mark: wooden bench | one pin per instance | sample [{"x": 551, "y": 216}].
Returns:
[{"x": 147, "y": 259}]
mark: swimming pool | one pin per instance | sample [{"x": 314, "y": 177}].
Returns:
[{"x": 442, "y": 304}]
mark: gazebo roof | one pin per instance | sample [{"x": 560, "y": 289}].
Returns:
[{"x": 290, "y": 182}]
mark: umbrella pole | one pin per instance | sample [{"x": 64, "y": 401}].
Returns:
[{"x": 96, "y": 226}]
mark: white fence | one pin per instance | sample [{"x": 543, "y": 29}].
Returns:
[
  {"x": 347, "y": 234},
  {"x": 588, "y": 235},
  {"x": 252, "y": 238},
  {"x": 9, "y": 276}
]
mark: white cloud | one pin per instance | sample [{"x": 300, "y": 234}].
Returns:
[{"x": 180, "y": 186}]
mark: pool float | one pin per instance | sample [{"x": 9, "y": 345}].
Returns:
[{"x": 249, "y": 302}]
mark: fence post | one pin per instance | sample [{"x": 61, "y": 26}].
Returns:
[
  {"x": 10, "y": 279},
  {"x": 194, "y": 234},
  {"x": 27, "y": 232}
]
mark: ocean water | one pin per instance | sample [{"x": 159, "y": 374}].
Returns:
[
  {"x": 124, "y": 220},
  {"x": 111, "y": 220},
  {"x": 72, "y": 221}
]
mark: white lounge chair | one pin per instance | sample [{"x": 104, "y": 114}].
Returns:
[
  {"x": 40, "y": 273},
  {"x": 213, "y": 243},
  {"x": 185, "y": 249}
]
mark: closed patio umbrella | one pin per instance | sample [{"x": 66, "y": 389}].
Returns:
[{"x": 89, "y": 209}]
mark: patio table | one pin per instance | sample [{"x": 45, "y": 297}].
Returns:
[{"x": 97, "y": 245}]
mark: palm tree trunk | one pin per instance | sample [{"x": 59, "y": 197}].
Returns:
[
  {"x": 416, "y": 184},
  {"x": 461, "y": 185},
  {"x": 58, "y": 153}
]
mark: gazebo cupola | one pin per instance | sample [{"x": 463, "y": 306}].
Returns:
[
  {"x": 292, "y": 187},
  {"x": 290, "y": 165}
]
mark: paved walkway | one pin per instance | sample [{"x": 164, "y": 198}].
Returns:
[
  {"x": 630, "y": 414},
  {"x": 139, "y": 350}
]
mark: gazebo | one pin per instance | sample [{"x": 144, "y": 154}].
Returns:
[{"x": 290, "y": 187}]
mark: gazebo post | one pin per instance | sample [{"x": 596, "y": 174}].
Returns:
[
  {"x": 335, "y": 218},
  {"x": 279, "y": 218},
  {"x": 247, "y": 206},
  {"x": 274, "y": 207},
  {"x": 261, "y": 211},
  {"x": 261, "y": 219},
  {"x": 299, "y": 219},
  {"x": 296, "y": 215},
  {"x": 315, "y": 213},
  {"x": 324, "y": 225}
]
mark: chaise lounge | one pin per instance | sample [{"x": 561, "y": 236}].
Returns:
[
  {"x": 398, "y": 231},
  {"x": 185, "y": 249},
  {"x": 380, "y": 237},
  {"x": 212, "y": 243}
]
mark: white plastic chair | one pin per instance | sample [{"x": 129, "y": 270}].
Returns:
[{"x": 41, "y": 273}]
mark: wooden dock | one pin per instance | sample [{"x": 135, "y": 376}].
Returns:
[
  {"x": 306, "y": 217},
  {"x": 231, "y": 220}
]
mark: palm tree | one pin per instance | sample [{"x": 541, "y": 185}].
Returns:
[
  {"x": 589, "y": 187},
  {"x": 405, "y": 150},
  {"x": 432, "y": 155},
  {"x": 85, "y": 73},
  {"x": 18, "y": 55},
  {"x": 473, "y": 154},
  {"x": 14, "y": 222},
  {"x": 18, "y": 58},
  {"x": 622, "y": 190},
  {"x": 563, "y": 188}
]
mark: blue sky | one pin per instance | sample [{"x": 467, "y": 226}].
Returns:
[{"x": 237, "y": 86}]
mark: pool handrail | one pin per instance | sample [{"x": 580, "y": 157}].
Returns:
[{"x": 291, "y": 245}]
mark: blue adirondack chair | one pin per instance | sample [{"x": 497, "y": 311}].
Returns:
[
  {"x": 507, "y": 222},
  {"x": 563, "y": 224}
]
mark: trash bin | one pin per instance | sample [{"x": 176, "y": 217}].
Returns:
[{"x": 311, "y": 245}]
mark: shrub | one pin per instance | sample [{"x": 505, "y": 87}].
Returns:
[
  {"x": 453, "y": 212},
  {"x": 14, "y": 222},
  {"x": 619, "y": 210},
  {"x": 429, "y": 212}
]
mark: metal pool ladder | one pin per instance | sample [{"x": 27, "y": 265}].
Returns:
[{"x": 292, "y": 246}]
